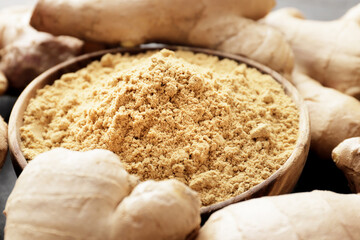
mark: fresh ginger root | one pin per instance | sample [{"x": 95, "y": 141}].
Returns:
[
  {"x": 25, "y": 52},
  {"x": 63, "y": 194},
  {"x": 224, "y": 25},
  {"x": 347, "y": 158},
  {"x": 3, "y": 141},
  {"x": 334, "y": 116},
  {"x": 311, "y": 215},
  {"x": 328, "y": 52}
]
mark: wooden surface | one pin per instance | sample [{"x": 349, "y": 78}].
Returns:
[{"x": 282, "y": 181}]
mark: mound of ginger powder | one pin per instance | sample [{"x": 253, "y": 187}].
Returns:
[{"x": 216, "y": 125}]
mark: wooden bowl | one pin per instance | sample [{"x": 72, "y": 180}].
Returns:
[{"x": 282, "y": 181}]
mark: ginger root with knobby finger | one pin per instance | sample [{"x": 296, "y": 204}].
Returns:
[
  {"x": 25, "y": 52},
  {"x": 224, "y": 25},
  {"x": 63, "y": 194},
  {"x": 311, "y": 215},
  {"x": 328, "y": 52},
  {"x": 347, "y": 158},
  {"x": 334, "y": 116}
]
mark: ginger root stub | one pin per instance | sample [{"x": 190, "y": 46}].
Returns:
[
  {"x": 215, "y": 125},
  {"x": 65, "y": 194}
]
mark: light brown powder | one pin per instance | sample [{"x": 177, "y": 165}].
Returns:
[{"x": 215, "y": 125}]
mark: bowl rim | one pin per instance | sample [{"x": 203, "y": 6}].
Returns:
[{"x": 301, "y": 145}]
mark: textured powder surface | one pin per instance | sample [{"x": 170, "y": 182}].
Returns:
[{"x": 215, "y": 125}]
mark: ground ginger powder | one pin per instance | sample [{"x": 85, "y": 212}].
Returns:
[{"x": 215, "y": 125}]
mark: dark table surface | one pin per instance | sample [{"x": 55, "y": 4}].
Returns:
[{"x": 317, "y": 174}]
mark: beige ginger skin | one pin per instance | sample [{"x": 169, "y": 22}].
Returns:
[
  {"x": 334, "y": 116},
  {"x": 227, "y": 25},
  {"x": 347, "y": 158},
  {"x": 309, "y": 215},
  {"x": 328, "y": 52},
  {"x": 64, "y": 194}
]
